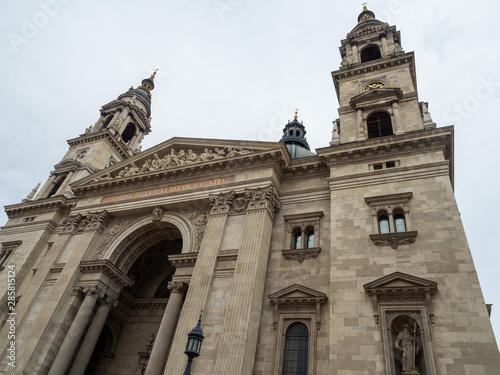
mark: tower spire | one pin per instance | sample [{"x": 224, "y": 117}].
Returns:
[{"x": 366, "y": 14}]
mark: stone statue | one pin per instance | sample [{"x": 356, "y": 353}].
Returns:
[
  {"x": 397, "y": 49},
  {"x": 89, "y": 129},
  {"x": 345, "y": 62},
  {"x": 156, "y": 163},
  {"x": 407, "y": 344},
  {"x": 219, "y": 153},
  {"x": 181, "y": 157},
  {"x": 173, "y": 157},
  {"x": 157, "y": 213},
  {"x": 191, "y": 157}
]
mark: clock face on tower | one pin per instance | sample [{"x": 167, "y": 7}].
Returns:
[
  {"x": 374, "y": 85},
  {"x": 109, "y": 163},
  {"x": 81, "y": 155}
]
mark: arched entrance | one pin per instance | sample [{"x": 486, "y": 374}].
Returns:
[{"x": 144, "y": 259}]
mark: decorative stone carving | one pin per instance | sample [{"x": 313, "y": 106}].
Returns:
[
  {"x": 259, "y": 199},
  {"x": 394, "y": 240},
  {"x": 221, "y": 203},
  {"x": 177, "y": 287},
  {"x": 157, "y": 214},
  {"x": 115, "y": 227},
  {"x": 71, "y": 223},
  {"x": 175, "y": 159},
  {"x": 301, "y": 254},
  {"x": 92, "y": 221},
  {"x": 93, "y": 291}
]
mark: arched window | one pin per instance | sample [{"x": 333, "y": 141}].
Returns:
[
  {"x": 297, "y": 240},
  {"x": 399, "y": 221},
  {"x": 370, "y": 53},
  {"x": 383, "y": 224},
  {"x": 128, "y": 133},
  {"x": 296, "y": 353},
  {"x": 310, "y": 238},
  {"x": 379, "y": 125}
]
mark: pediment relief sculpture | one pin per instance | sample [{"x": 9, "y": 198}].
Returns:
[{"x": 175, "y": 159}]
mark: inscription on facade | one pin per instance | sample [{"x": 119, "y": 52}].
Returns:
[{"x": 168, "y": 189}]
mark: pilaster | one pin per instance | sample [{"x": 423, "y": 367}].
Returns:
[
  {"x": 238, "y": 343},
  {"x": 201, "y": 281}
]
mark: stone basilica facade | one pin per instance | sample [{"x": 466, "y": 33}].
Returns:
[{"x": 349, "y": 260}]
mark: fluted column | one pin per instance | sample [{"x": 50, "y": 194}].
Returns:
[
  {"x": 165, "y": 332},
  {"x": 70, "y": 343},
  {"x": 201, "y": 280},
  {"x": 238, "y": 343},
  {"x": 83, "y": 357}
]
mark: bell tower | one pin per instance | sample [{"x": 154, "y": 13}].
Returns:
[
  {"x": 117, "y": 135},
  {"x": 376, "y": 85}
]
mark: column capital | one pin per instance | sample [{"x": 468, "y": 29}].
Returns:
[
  {"x": 221, "y": 203},
  {"x": 263, "y": 198},
  {"x": 109, "y": 301},
  {"x": 93, "y": 291},
  {"x": 177, "y": 286}
]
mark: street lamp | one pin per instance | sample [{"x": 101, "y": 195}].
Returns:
[{"x": 195, "y": 338}]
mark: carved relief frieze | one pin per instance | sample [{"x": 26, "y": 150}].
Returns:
[
  {"x": 199, "y": 217},
  {"x": 174, "y": 159},
  {"x": 300, "y": 255}
]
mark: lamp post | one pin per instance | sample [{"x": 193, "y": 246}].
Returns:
[{"x": 195, "y": 338}]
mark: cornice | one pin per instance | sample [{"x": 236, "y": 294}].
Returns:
[
  {"x": 108, "y": 268},
  {"x": 33, "y": 226},
  {"x": 374, "y": 65},
  {"x": 177, "y": 174},
  {"x": 59, "y": 202},
  {"x": 105, "y": 134},
  {"x": 183, "y": 260},
  {"x": 422, "y": 140}
]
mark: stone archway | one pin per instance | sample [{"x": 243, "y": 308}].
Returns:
[{"x": 143, "y": 256}]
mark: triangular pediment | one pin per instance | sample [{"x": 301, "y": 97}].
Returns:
[
  {"x": 398, "y": 282},
  {"x": 297, "y": 294},
  {"x": 376, "y": 94},
  {"x": 180, "y": 155}
]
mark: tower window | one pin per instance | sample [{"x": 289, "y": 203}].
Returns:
[
  {"x": 106, "y": 122},
  {"x": 296, "y": 353},
  {"x": 56, "y": 186},
  {"x": 379, "y": 125},
  {"x": 128, "y": 133},
  {"x": 309, "y": 238},
  {"x": 370, "y": 53}
]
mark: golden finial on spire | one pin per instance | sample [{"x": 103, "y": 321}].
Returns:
[
  {"x": 364, "y": 7},
  {"x": 296, "y": 114},
  {"x": 153, "y": 75}
]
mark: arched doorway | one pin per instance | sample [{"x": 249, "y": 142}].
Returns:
[{"x": 141, "y": 306}]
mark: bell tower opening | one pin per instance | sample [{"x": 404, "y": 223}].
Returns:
[
  {"x": 379, "y": 125},
  {"x": 370, "y": 53},
  {"x": 129, "y": 133}
]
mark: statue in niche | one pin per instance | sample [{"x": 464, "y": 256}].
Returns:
[
  {"x": 157, "y": 213},
  {"x": 407, "y": 345}
]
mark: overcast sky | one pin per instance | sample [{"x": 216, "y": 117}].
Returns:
[{"x": 237, "y": 69}]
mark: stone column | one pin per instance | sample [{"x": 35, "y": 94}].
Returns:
[
  {"x": 383, "y": 39},
  {"x": 46, "y": 187},
  {"x": 397, "y": 118},
  {"x": 70, "y": 343},
  {"x": 166, "y": 330},
  {"x": 201, "y": 280},
  {"x": 361, "y": 126},
  {"x": 355, "y": 58},
  {"x": 65, "y": 183},
  {"x": 238, "y": 343},
  {"x": 83, "y": 357}
]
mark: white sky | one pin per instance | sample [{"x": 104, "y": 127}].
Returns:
[{"x": 237, "y": 69}]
